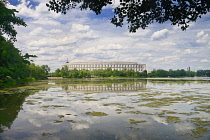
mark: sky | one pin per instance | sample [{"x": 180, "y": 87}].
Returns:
[{"x": 81, "y": 36}]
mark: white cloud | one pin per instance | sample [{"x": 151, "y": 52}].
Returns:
[
  {"x": 39, "y": 30},
  {"x": 167, "y": 43},
  {"x": 148, "y": 54},
  {"x": 80, "y": 37},
  {"x": 203, "y": 39},
  {"x": 80, "y": 28},
  {"x": 63, "y": 58},
  {"x": 162, "y": 34},
  {"x": 199, "y": 34},
  {"x": 167, "y": 59},
  {"x": 110, "y": 47},
  {"x": 189, "y": 51},
  {"x": 46, "y": 21},
  {"x": 36, "y": 31},
  {"x": 83, "y": 31},
  {"x": 53, "y": 41},
  {"x": 55, "y": 31},
  {"x": 40, "y": 11},
  {"x": 205, "y": 60},
  {"x": 138, "y": 33}
]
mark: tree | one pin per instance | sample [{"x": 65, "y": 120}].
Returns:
[
  {"x": 13, "y": 64},
  {"x": 46, "y": 69},
  {"x": 8, "y": 20},
  {"x": 141, "y": 13},
  {"x": 143, "y": 74},
  {"x": 57, "y": 73},
  {"x": 64, "y": 71},
  {"x": 190, "y": 73},
  {"x": 203, "y": 73},
  {"x": 37, "y": 72}
]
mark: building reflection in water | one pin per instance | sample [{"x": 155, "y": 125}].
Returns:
[{"x": 113, "y": 87}]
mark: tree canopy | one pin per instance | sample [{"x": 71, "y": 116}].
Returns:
[
  {"x": 14, "y": 66},
  {"x": 141, "y": 13},
  {"x": 8, "y": 20}
]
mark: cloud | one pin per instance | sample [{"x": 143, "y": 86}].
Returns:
[
  {"x": 80, "y": 37},
  {"x": 83, "y": 31},
  {"x": 53, "y": 41},
  {"x": 147, "y": 54},
  {"x": 203, "y": 39},
  {"x": 80, "y": 28},
  {"x": 199, "y": 34},
  {"x": 189, "y": 51},
  {"x": 162, "y": 34},
  {"x": 40, "y": 30},
  {"x": 46, "y": 21},
  {"x": 110, "y": 47},
  {"x": 167, "y": 59},
  {"x": 36, "y": 31},
  {"x": 168, "y": 43},
  {"x": 138, "y": 33},
  {"x": 25, "y": 9},
  {"x": 204, "y": 60}
]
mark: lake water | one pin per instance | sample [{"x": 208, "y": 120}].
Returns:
[{"x": 109, "y": 109}]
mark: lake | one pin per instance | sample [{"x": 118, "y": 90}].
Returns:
[{"x": 109, "y": 109}]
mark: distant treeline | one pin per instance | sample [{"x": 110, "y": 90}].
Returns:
[
  {"x": 178, "y": 73},
  {"x": 66, "y": 73}
]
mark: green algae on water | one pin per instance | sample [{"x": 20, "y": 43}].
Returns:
[
  {"x": 72, "y": 121},
  {"x": 135, "y": 128},
  {"x": 96, "y": 113},
  {"x": 57, "y": 121},
  {"x": 132, "y": 121}
]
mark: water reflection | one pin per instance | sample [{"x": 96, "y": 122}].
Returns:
[
  {"x": 10, "y": 105},
  {"x": 11, "y": 102},
  {"x": 134, "y": 86},
  {"x": 109, "y": 109}
]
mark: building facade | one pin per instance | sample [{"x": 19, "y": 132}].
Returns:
[{"x": 105, "y": 65}]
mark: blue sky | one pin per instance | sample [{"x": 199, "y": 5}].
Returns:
[{"x": 83, "y": 36}]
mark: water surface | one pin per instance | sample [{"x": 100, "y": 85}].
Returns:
[{"x": 110, "y": 109}]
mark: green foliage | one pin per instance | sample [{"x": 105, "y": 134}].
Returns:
[
  {"x": 37, "y": 72},
  {"x": 13, "y": 65},
  {"x": 64, "y": 72},
  {"x": 158, "y": 73},
  {"x": 141, "y": 13},
  {"x": 15, "y": 68},
  {"x": 10, "y": 106},
  {"x": 177, "y": 73},
  {"x": 203, "y": 73},
  {"x": 8, "y": 20},
  {"x": 46, "y": 69}
]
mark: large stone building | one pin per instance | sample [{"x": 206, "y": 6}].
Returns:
[{"x": 104, "y": 65}]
